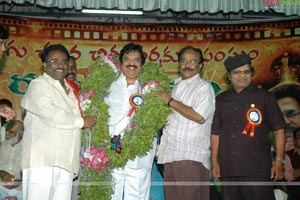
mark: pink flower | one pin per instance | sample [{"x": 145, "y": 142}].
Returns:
[
  {"x": 109, "y": 59},
  {"x": 86, "y": 95},
  {"x": 132, "y": 125},
  {"x": 153, "y": 83},
  {"x": 95, "y": 158}
]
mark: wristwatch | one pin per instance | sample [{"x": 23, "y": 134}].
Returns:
[{"x": 280, "y": 159}]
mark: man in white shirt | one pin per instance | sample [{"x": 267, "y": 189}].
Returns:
[
  {"x": 132, "y": 182},
  {"x": 52, "y": 136}
]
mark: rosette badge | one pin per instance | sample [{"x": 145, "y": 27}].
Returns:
[
  {"x": 136, "y": 101},
  {"x": 254, "y": 118}
]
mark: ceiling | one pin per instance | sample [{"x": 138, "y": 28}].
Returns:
[{"x": 154, "y": 16}]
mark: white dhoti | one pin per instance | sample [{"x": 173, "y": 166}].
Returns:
[
  {"x": 134, "y": 181},
  {"x": 47, "y": 183}
]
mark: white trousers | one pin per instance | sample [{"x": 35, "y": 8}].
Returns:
[
  {"x": 47, "y": 183},
  {"x": 134, "y": 181}
]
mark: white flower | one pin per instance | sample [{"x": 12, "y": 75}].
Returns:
[
  {"x": 149, "y": 86},
  {"x": 88, "y": 155},
  {"x": 85, "y": 104}
]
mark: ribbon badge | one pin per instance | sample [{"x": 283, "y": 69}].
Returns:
[
  {"x": 254, "y": 118},
  {"x": 135, "y": 101}
]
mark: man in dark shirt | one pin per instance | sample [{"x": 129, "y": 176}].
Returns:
[{"x": 241, "y": 150}]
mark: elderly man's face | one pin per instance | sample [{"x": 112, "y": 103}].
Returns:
[
  {"x": 189, "y": 65},
  {"x": 14, "y": 135}
]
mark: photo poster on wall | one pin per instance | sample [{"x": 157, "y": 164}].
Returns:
[{"x": 273, "y": 46}]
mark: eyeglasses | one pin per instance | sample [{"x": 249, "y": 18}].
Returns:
[
  {"x": 192, "y": 62},
  {"x": 56, "y": 62},
  {"x": 291, "y": 113},
  {"x": 238, "y": 72}
]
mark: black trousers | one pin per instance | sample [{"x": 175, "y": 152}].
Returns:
[{"x": 246, "y": 188}]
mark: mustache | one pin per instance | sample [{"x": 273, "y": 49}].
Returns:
[
  {"x": 188, "y": 69},
  {"x": 134, "y": 66},
  {"x": 70, "y": 74}
]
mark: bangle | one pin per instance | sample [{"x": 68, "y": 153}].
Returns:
[
  {"x": 170, "y": 101},
  {"x": 280, "y": 159}
]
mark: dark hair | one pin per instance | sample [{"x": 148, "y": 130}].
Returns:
[
  {"x": 292, "y": 91},
  {"x": 132, "y": 47},
  {"x": 295, "y": 131},
  {"x": 197, "y": 50},
  {"x": 54, "y": 47},
  {"x": 7, "y": 103},
  {"x": 3, "y": 32}
]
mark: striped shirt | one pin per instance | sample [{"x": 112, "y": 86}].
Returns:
[{"x": 184, "y": 139}]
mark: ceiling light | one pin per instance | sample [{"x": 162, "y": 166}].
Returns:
[{"x": 115, "y": 12}]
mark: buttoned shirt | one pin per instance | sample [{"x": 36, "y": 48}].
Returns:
[
  {"x": 185, "y": 139},
  {"x": 119, "y": 106},
  {"x": 242, "y": 155},
  {"x": 119, "y": 121},
  {"x": 52, "y": 126},
  {"x": 10, "y": 158}
]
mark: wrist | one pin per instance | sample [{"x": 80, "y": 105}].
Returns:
[
  {"x": 280, "y": 159},
  {"x": 170, "y": 101}
]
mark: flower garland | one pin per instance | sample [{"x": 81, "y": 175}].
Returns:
[{"x": 99, "y": 157}]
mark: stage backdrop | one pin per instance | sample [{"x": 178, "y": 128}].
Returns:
[{"x": 87, "y": 41}]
